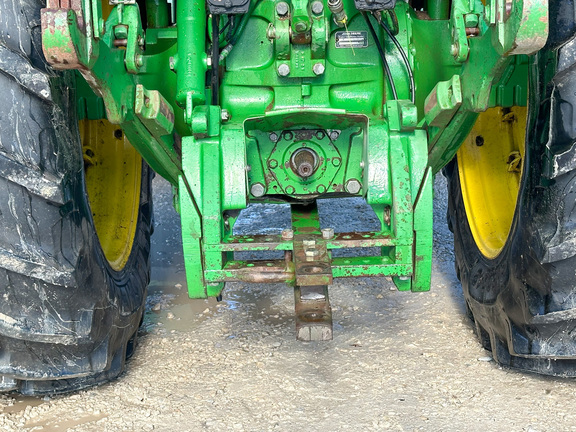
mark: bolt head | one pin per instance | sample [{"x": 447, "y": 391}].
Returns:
[
  {"x": 318, "y": 69},
  {"x": 454, "y": 49},
  {"x": 273, "y": 137},
  {"x": 225, "y": 115},
  {"x": 334, "y": 134},
  {"x": 257, "y": 190},
  {"x": 327, "y": 233},
  {"x": 283, "y": 70},
  {"x": 287, "y": 234},
  {"x": 353, "y": 186},
  {"x": 317, "y": 7},
  {"x": 282, "y": 9}
]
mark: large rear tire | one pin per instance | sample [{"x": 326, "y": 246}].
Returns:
[
  {"x": 74, "y": 244},
  {"x": 517, "y": 266}
]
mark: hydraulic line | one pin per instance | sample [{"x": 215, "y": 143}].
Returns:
[
  {"x": 382, "y": 55},
  {"x": 404, "y": 58},
  {"x": 215, "y": 63},
  {"x": 239, "y": 30}
]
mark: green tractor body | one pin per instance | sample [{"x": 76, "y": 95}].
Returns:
[{"x": 274, "y": 101}]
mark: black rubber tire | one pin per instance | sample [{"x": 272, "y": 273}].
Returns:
[
  {"x": 523, "y": 302},
  {"x": 67, "y": 319}
]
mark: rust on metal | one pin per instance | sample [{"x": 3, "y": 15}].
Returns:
[
  {"x": 264, "y": 271},
  {"x": 313, "y": 313},
  {"x": 311, "y": 261}
]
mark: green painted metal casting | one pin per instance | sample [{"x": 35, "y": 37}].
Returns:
[{"x": 291, "y": 105}]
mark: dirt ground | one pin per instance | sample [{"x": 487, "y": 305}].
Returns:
[{"x": 398, "y": 361}]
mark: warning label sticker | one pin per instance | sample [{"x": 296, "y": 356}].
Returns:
[{"x": 351, "y": 39}]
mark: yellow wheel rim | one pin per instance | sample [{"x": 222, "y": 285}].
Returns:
[
  {"x": 113, "y": 171},
  {"x": 490, "y": 163}
]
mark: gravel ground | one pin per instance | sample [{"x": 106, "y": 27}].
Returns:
[{"x": 398, "y": 361}]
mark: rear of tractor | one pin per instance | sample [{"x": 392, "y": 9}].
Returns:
[{"x": 278, "y": 101}]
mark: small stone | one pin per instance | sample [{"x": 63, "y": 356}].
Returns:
[
  {"x": 276, "y": 344},
  {"x": 157, "y": 307},
  {"x": 206, "y": 311},
  {"x": 379, "y": 296},
  {"x": 179, "y": 286},
  {"x": 170, "y": 315},
  {"x": 485, "y": 359}
]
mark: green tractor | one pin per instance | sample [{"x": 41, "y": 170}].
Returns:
[{"x": 281, "y": 101}]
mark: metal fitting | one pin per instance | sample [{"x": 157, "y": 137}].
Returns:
[
  {"x": 327, "y": 233},
  {"x": 257, "y": 190},
  {"x": 310, "y": 249},
  {"x": 353, "y": 186},
  {"x": 283, "y": 70},
  {"x": 282, "y": 9},
  {"x": 334, "y": 134},
  {"x": 287, "y": 234},
  {"x": 225, "y": 115},
  {"x": 304, "y": 162},
  {"x": 318, "y": 69},
  {"x": 317, "y": 7},
  {"x": 337, "y": 9}
]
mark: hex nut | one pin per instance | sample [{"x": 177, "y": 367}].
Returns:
[
  {"x": 257, "y": 190},
  {"x": 353, "y": 186},
  {"x": 283, "y": 70},
  {"x": 327, "y": 233},
  {"x": 287, "y": 234}
]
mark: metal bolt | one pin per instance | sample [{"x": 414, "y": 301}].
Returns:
[
  {"x": 472, "y": 31},
  {"x": 310, "y": 247},
  {"x": 353, "y": 186},
  {"x": 257, "y": 190},
  {"x": 273, "y": 137},
  {"x": 328, "y": 233},
  {"x": 172, "y": 63},
  {"x": 317, "y": 7},
  {"x": 288, "y": 136},
  {"x": 282, "y": 9},
  {"x": 225, "y": 115},
  {"x": 138, "y": 60},
  {"x": 300, "y": 27},
  {"x": 271, "y": 32},
  {"x": 320, "y": 135},
  {"x": 318, "y": 69},
  {"x": 387, "y": 215},
  {"x": 287, "y": 234},
  {"x": 290, "y": 190},
  {"x": 311, "y": 252},
  {"x": 272, "y": 163},
  {"x": 283, "y": 70},
  {"x": 334, "y": 134},
  {"x": 454, "y": 49}
]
